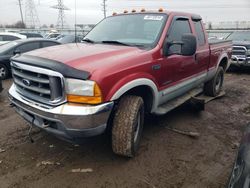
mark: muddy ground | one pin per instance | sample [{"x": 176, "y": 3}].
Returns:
[{"x": 166, "y": 159}]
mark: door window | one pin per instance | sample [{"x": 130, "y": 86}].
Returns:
[
  {"x": 178, "y": 28},
  {"x": 28, "y": 47},
  {"x": 47, "y": 44},
  {"x": 199, "y": 32},
  {"x": 9, "y": 38}
]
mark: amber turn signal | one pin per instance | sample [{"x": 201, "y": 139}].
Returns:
[{"x": 96, "y": 99}]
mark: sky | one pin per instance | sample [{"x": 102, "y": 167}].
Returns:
[{"x": 90, "y": 11}]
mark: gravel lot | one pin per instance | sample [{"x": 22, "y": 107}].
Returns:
[{"x": 166, "y": 159}]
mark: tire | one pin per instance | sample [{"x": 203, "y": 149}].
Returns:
[
  {"x": 4, "y": 72},
  {"x": 127, "y": 126},
  {"x": 213, "y": 87}
]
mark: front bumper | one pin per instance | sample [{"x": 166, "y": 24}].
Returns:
[
  {"x": 68, "y": 121},
  {"x": 240, "y": 60}
]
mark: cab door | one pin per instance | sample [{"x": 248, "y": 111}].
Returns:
[{"x": 182, "y": 67}]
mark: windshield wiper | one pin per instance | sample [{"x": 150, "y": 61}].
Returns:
[
  {"x": 88, "y": 40},
  {"x": 114, "y": 42}
]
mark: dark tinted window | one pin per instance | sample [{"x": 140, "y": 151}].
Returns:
[
  {"x": 28, "y": 47},
  {"x": 178, "y": 28},
  {"x": 47, "y": 44},
  {"x": 9, "y": 38},
  {"x": 200, "y": 33}
]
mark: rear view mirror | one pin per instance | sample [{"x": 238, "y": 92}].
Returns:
[{"x": 189, "y": 45}]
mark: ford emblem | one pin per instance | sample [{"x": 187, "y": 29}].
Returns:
[{"x": 26, "y": 82}]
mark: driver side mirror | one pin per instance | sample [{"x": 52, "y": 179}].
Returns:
[
  {"x": 17, "y": 51},
  {"x": 188, "y": 45}
]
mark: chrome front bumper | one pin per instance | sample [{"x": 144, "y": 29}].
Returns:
[
  {"x": 240, "y": 61},
  {"x": 67, "y": 120}
]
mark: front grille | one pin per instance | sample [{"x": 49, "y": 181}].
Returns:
[
  {"x": 238, "y": 50},
  {"x": 38, "y": 84}
]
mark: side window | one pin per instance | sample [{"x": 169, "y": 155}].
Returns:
[
  {"x": 1, "y": 37},
  {"x": 28, "y": 47},
  {"x": 47, "y": 44},
  {"x": 178, "y": 28},
  {"x": 9, "y": 38},
  {"x": 200, "y": 33}
]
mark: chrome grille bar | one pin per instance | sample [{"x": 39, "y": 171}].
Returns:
[{"x": 41, "y": 85}]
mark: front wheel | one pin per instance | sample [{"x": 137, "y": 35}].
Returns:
[
  {"x": 3, "y": 72},
  {"x": 127, "y": 126},
  {"x": 213, "y": 87}
]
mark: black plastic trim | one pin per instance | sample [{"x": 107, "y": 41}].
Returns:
[
  {"x": 196, "y": 18},
  {"x": 62, "y": 68}
]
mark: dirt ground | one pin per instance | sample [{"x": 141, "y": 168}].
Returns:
[{"x": 165, "y": 159}]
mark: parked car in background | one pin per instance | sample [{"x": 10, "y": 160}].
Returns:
[
  {"x": 52, "y": 36},
  {"x": 240, "y": 176},
  {"x": 32, "y": 35},
  {"x": 241, "y": 48},
  {"x": 129, "y": 65},
  {"x": 8, "y": 36},
  {"x": 70, "y": 39},
  {"x": 10, "y": 49}
]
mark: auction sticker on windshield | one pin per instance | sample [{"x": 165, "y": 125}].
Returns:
[{"x": 150, "y": 17}]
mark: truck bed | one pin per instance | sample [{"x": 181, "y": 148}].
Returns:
[{"x": 217, "y": 49}]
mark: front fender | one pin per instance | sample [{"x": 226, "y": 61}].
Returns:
[{"x": 132, "y": 81}]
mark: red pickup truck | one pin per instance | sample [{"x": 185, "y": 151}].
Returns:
[{"x": 129, "y": 65}]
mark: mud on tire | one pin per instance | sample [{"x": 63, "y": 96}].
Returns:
[
  {"x": 213, "y": 87},
  {"x": 127, "y": 126}
]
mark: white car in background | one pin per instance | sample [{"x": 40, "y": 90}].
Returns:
[{"x": 8, "y": 36}]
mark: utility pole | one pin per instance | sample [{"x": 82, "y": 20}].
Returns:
[
  {"x": 61, "y": 21},
  {"x": 104, "y": 5},
  {"x": 21, "y": 11},
  {"x": 31, "y": 16}
]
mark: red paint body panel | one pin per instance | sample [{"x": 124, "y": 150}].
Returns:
[{"x": 112, "y": 66}]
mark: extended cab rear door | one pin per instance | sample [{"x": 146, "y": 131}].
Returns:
[{"x": 202, "y": 53}]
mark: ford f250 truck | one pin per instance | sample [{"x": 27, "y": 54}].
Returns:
[{"x": 129, "y": 65}]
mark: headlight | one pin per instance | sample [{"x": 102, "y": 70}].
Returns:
[{"x": 83, "y": 91}]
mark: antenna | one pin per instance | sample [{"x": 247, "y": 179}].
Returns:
[
  {"x": 104, "y": 5},
  {"x": 31, "y": 16},
  {"x": 61, "y": 20},
  {"x": 75, "y": 22}
]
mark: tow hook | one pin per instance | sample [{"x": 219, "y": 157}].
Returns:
[{"x": 11, "y": 105}]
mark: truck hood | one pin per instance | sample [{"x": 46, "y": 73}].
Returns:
[
  {"x": 87, "y": 57},
  {"x": 242, "y": 43}
]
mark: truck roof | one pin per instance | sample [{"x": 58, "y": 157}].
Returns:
[{"x": 160, "y": 11}]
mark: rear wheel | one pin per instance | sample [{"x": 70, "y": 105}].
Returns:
[
  {"x": 127, "y": 126},
  {"x": 3, "y": 72},
  {"x": 214, "y": 86}
]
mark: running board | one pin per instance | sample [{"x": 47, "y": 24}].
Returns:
[{"x": 170, "y": 105}]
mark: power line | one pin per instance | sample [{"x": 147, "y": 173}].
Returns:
[
  {"x": 31, "y": 16},
  {"x": 61, "y": 20},
  {"x": 104, "y": 6}
]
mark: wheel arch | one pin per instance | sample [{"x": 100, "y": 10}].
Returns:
[
  {"x": 223, "y": 61},
  {"x": 143, "y": 87}
]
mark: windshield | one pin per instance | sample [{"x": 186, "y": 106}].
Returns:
[
  {"x": 240, "y": 36},
  {"x": 67, "y": 39},
  {"x": 7, "y": 46},
  {"x": 134, "y": 29}
]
